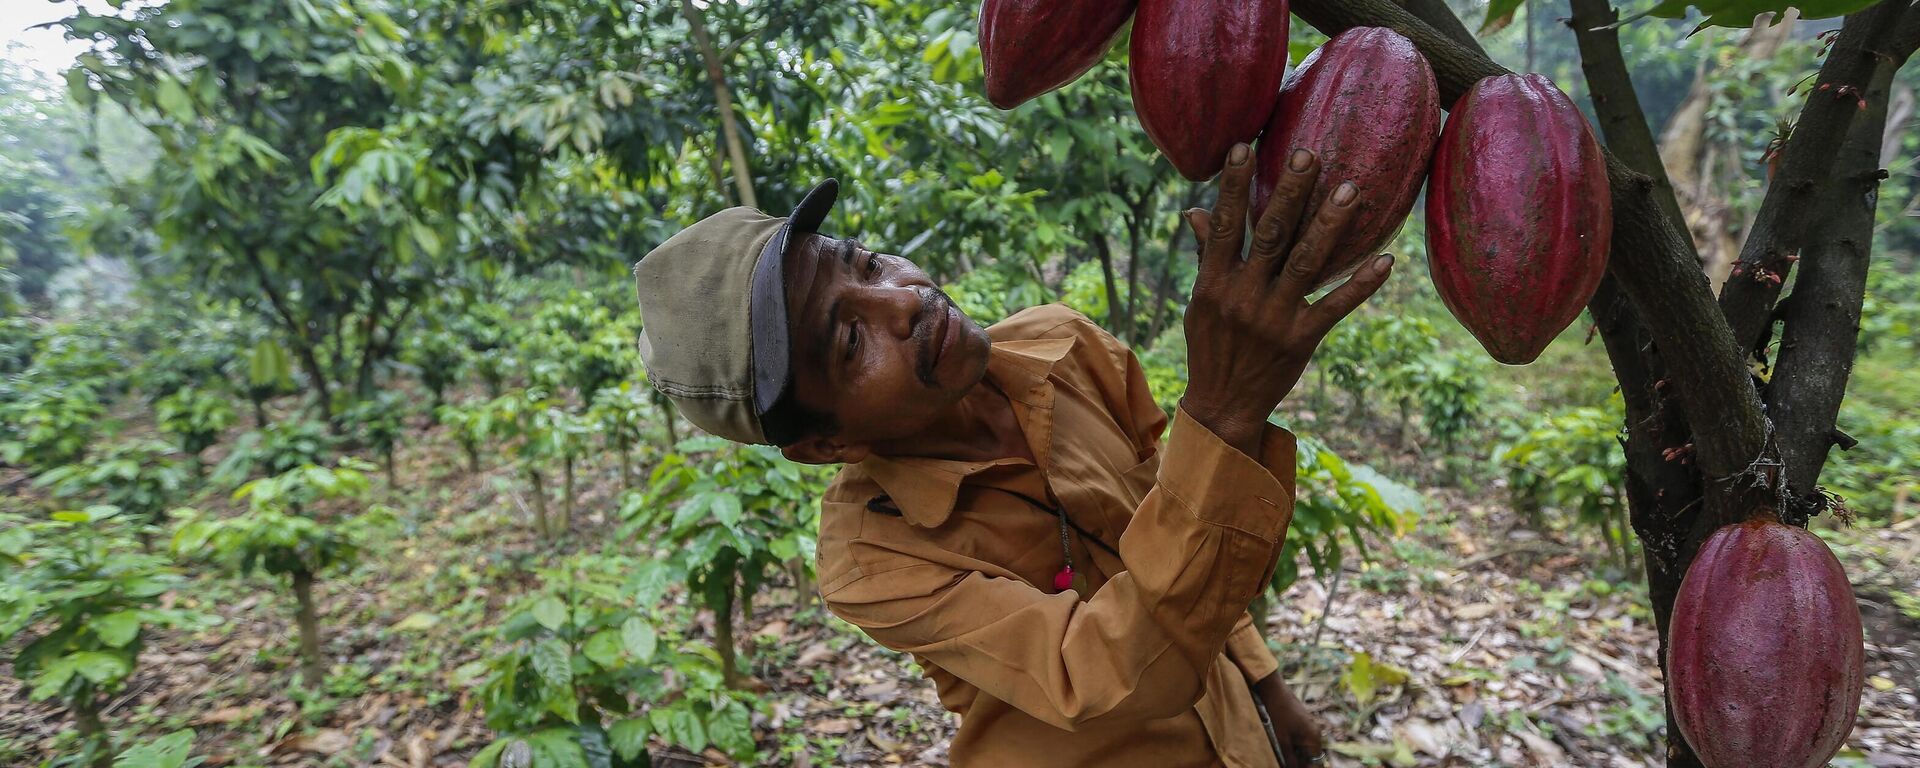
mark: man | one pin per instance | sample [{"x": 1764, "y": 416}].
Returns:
[{"x": 1004, "y": 511}]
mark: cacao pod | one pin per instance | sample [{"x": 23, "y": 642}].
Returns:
[
  {"x": 1205, "y": 75},
  {"x": 1519, "y": 214},
  {"x": 1366, "y": 104},
  {"x": 1764, "y": 653},
  {"x": 1030, "y": 47}
]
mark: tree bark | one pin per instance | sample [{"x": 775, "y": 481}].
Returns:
[
  {"x": 1823, "y": 313},
  {"x": 1887, "y": 31},
  {"x": 723, "y": 99},
  {"x": 93, "y": 735},
  {"x": 566, "y": 493},
  {"x": 539, "y": 484},
  {"x": 1116, "y": 319},
  {"x": 310, "y": 667},
  {"x": 723, "y": 629}
]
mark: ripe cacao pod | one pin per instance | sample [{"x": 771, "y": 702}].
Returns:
[
  {"x": 1519, "y": 214},
  {"x": 1366, "y": 104},
  {"x": 1764, "y": 654},
  {"x": 1206, "y": 74},
  {"x": 1030, "y": 47}
]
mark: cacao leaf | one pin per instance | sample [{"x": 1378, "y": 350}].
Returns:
[{"x": 1499, "y": 15}]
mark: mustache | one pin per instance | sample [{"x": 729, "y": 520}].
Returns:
[{"x": 933, "y": 303}]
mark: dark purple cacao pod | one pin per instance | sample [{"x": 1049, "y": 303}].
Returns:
[
  {"x": 1030, "y": 47},
  {"x": 1764, "y": 653},
  {"x": 1206, "y": 74},
  {"x": 1366, "y": 104},
  {"x": 1519, "y": 214}
]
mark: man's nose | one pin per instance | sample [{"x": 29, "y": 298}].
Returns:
[{"x": 892, "y": 308}]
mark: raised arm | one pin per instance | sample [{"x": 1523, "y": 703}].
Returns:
[{"x": 1202, "y": 543}]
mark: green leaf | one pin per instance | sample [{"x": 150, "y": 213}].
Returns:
[
  {"x": 417, "y": 622},
  {"x": 1499, "y": 15},
  {"x": 1364, "y": 677},
  {"x": 169, "y": 751},
  {"x": 101, "y": 667},
  {"x": 557, "y": 748},
  {"x": 550, "y": 612},
  {"x": 116, "y": 629},
  {"x": 554, "y": 662},
  {"x": 731, "y": 729},
  {"x": 629, "y": 737},
  {"x": 639, "y": 638},
  {"x": 489, "y": 757},
  {"x": 173, "y": 99},
  {"x": 603, "y": 648},
  {"x": 684, "y": 728},
  {"x": 726, "y": 509}
]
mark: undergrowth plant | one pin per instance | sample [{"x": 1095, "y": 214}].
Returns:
[
  {"x": 584, "y": 678},
  {"x": 729, "y": 515},
  {"x": 77, "y": 599},
  {"x": 297, "y": 525}
]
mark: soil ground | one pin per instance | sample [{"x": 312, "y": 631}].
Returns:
[{"x": 1486, "y": 643}]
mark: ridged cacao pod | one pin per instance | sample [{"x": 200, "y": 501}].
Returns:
[
  {"x": 1366, "y": 104},
  {"x": 1519, "y": 214},
  {"x": 1764, "y": 656},
  {"x": 1030, "y": 47},
  {"x": 1206, "y": 74}
]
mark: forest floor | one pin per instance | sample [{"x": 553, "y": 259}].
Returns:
[{"x": 1473, "y": 640}]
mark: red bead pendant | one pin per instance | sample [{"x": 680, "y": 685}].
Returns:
[{"x": 1063, "y": 579}]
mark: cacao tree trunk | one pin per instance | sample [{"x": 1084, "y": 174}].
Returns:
[
  {"x": 723, "y": 640},
  {"x": 566, "y": 493},
  {"x": 539, "y": 483},
  {"x": 94, "y": 739},
  {"x": 313, "y": 672},
  {"x": 723, "y": 98}
]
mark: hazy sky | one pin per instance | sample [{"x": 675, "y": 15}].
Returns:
[{"x": 46, "y": 49}]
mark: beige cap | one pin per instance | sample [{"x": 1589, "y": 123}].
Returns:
[{"x": 713, "y": 312}]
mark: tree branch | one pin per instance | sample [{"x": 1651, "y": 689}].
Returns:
[
  {"x": 1623, "y": 122},
  {"x": 1780, "y": 228},
  {"x": 1442, "y": 18},
  {"x": 1823, "y": 312},
  {"x": 1651, "y": 259}
]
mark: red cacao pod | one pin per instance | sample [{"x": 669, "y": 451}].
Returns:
[
  {"x": 1206, "y": 74},
  {"x": 1030, "y": 47},
  {"x": 1764, "y": 654},
  {"x": 1366, "y": 104},
  {"x": 1519, "y": 214}
]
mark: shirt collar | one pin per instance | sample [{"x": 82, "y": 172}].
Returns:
[{"x": 926, "y": 489}]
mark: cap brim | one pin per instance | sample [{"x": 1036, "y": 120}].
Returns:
[{"x": 767, "y": 312}]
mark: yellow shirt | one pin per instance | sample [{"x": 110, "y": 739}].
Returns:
[{"x": 1147, "y": 660}]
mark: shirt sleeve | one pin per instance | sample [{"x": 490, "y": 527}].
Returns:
[
  {"x": 1247, "y": 648},
  {"x": 1199, "y": 548}
]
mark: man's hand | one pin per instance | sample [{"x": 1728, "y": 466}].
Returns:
[
  {"x": 1300, "y": 741},
  {"x": 1250, "y": 329}
]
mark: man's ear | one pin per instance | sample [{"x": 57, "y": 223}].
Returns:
[{"x": 825, "y": 450}]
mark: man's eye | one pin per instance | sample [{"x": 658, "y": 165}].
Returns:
[
  {"x": 853, "y": 339},
  {"x": 873, "y": 266}
]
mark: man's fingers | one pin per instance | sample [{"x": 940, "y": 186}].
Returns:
[
  {"x": 1341, "y": 301},
  {"x": 1230, "y": 212},
  {"x": 1322, "y": 236},
  {"x": 1199, "y": 221},
  {"x": 1285, "y": 205}
]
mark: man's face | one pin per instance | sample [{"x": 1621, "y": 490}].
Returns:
[{"x": 875, "y": 344}]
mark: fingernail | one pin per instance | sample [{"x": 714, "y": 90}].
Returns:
[
  {"x": 1239, "y": 155},
  {"x": 1345, "y": 193},
  {"x": 1383, "y": 263},
  {"x": 1300, "y": 159}
]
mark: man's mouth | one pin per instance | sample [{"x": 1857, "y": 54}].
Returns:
[{"x": 938, "y": 339}]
